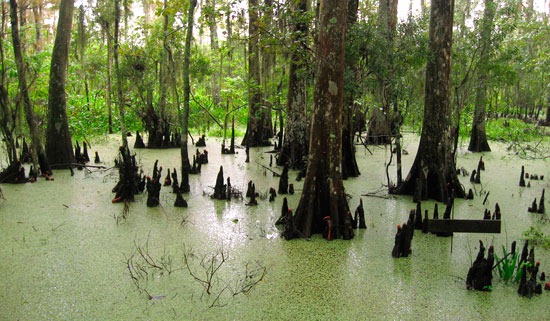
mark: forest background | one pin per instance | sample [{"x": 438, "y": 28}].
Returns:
[{"x": 515, "y": 72}]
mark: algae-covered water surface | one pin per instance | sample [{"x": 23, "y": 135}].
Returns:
[{"x": 68, "y": 254}]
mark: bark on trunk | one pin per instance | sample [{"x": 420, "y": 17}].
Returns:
[
  {"x": 185, "y": 166},
  {"x": 323, "y": 192},
  {"x": 58, "y": 138},
  {"x": 380, "y": 124},
  {"x": 294, "y": 147},
  {"x": 156, "y": 120},
  {"x": 120, "y": 94},
  {"x": 433, "y": 173},
  {"x": 256, "y": 129},
  {"x": 37, "y": 15},
  {"x": 40, "y": 159},
  {"x": 8, "y": 111},
  {"x": 268, "y": 56},
  {"x": 349, "y": 162},
  {"x": 210, "y": 8},
  {"x": 478, "y": 138},
  {"x": 109, "y": 89}
]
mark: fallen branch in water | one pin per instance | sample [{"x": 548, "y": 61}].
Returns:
[
  {"x": 81, "y": 165},
  {"x": 387, "y": 197},
  {"x": 269, "y": 169}
]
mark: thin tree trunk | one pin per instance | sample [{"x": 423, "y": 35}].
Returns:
[
  {"x": 40, "y": 160},
  {"x": 323, "y": 191},
  {"x": 478, "y": 138},
  {"x": 267, "y": 63},
  {"x": 380, "y": 124},
  {"x": 8, "y": 116},
  {"x": 120, "y": 93},
  {"x": 256, "y": 133},
  {"x": 109, "y": 89},
  {"x": 58, "y": 138},
  {"x": 37, "y": 15},
  {"x": 210, "y": 9},
  {"x": 349, "y": 162},
  {"x": 186, "y": 97},
  {"x": 82, "y": 41}
]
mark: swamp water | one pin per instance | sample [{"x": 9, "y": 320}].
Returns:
[{"x": 65, "y": 256}]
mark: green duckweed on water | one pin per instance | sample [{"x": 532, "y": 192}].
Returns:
[{"x": 68, "y": 255}]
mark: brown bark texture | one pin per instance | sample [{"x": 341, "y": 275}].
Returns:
[
  {"x": 294, "y": 149},
  {"x": 323, "y": 192},
  {"x": 185, "y": 166},
  {"x": 58, "y": 138},
  {"x": 257, "y": 129},
  {"x": 380, "y": 123},
  {"x": 433, "y": 173},
  {"x": 349, "y": 162},
  {"x": 478, "y": 137}
]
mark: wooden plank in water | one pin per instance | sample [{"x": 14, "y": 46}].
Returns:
[{"x": 463, "y": 226}]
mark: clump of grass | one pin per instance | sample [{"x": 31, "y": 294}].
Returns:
[
  {"x": 506, "y": 266},
  {"x": 536, "y": 237},
  {"x": 511, "y": 266}
]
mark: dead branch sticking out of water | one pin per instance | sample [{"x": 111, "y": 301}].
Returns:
[
  {"x": 210, "y": 265},
  {"x": 208, "y": 270},
  {"x": 142, "y": 266},
  {"x": 125, "y": 213},
  {"x": 249, "y": 279}
]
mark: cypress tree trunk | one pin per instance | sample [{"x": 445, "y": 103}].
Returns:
[
  {"x": 185, "y": 166},
  {"x": 109, "y": 89},
  {"x": 323, "y": 192},
  {"x": 478, "y": 137},
  {"x": 8, "y": 111},
  {"x": 58, "y": 138},
  {"x": 380, "y": 124},
  {"x": 156, "y": 121},
  {"x": 256, "y": 130},
  {"x": 268, "y": 56},
  {"x": 40, "y": 159},
  {"x": 349, "y": 162},
  {"x": 294, "y": 147},
  {"x": 120, "y": 94},
  {"x": 81, "y": 45},
  {"x": 433, "y": 173}
]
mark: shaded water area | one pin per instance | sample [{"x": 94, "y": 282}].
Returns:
[{"x": 67, "y": 253}]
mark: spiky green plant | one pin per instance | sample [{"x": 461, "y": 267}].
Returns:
[{"x": 506, "y": 265}]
